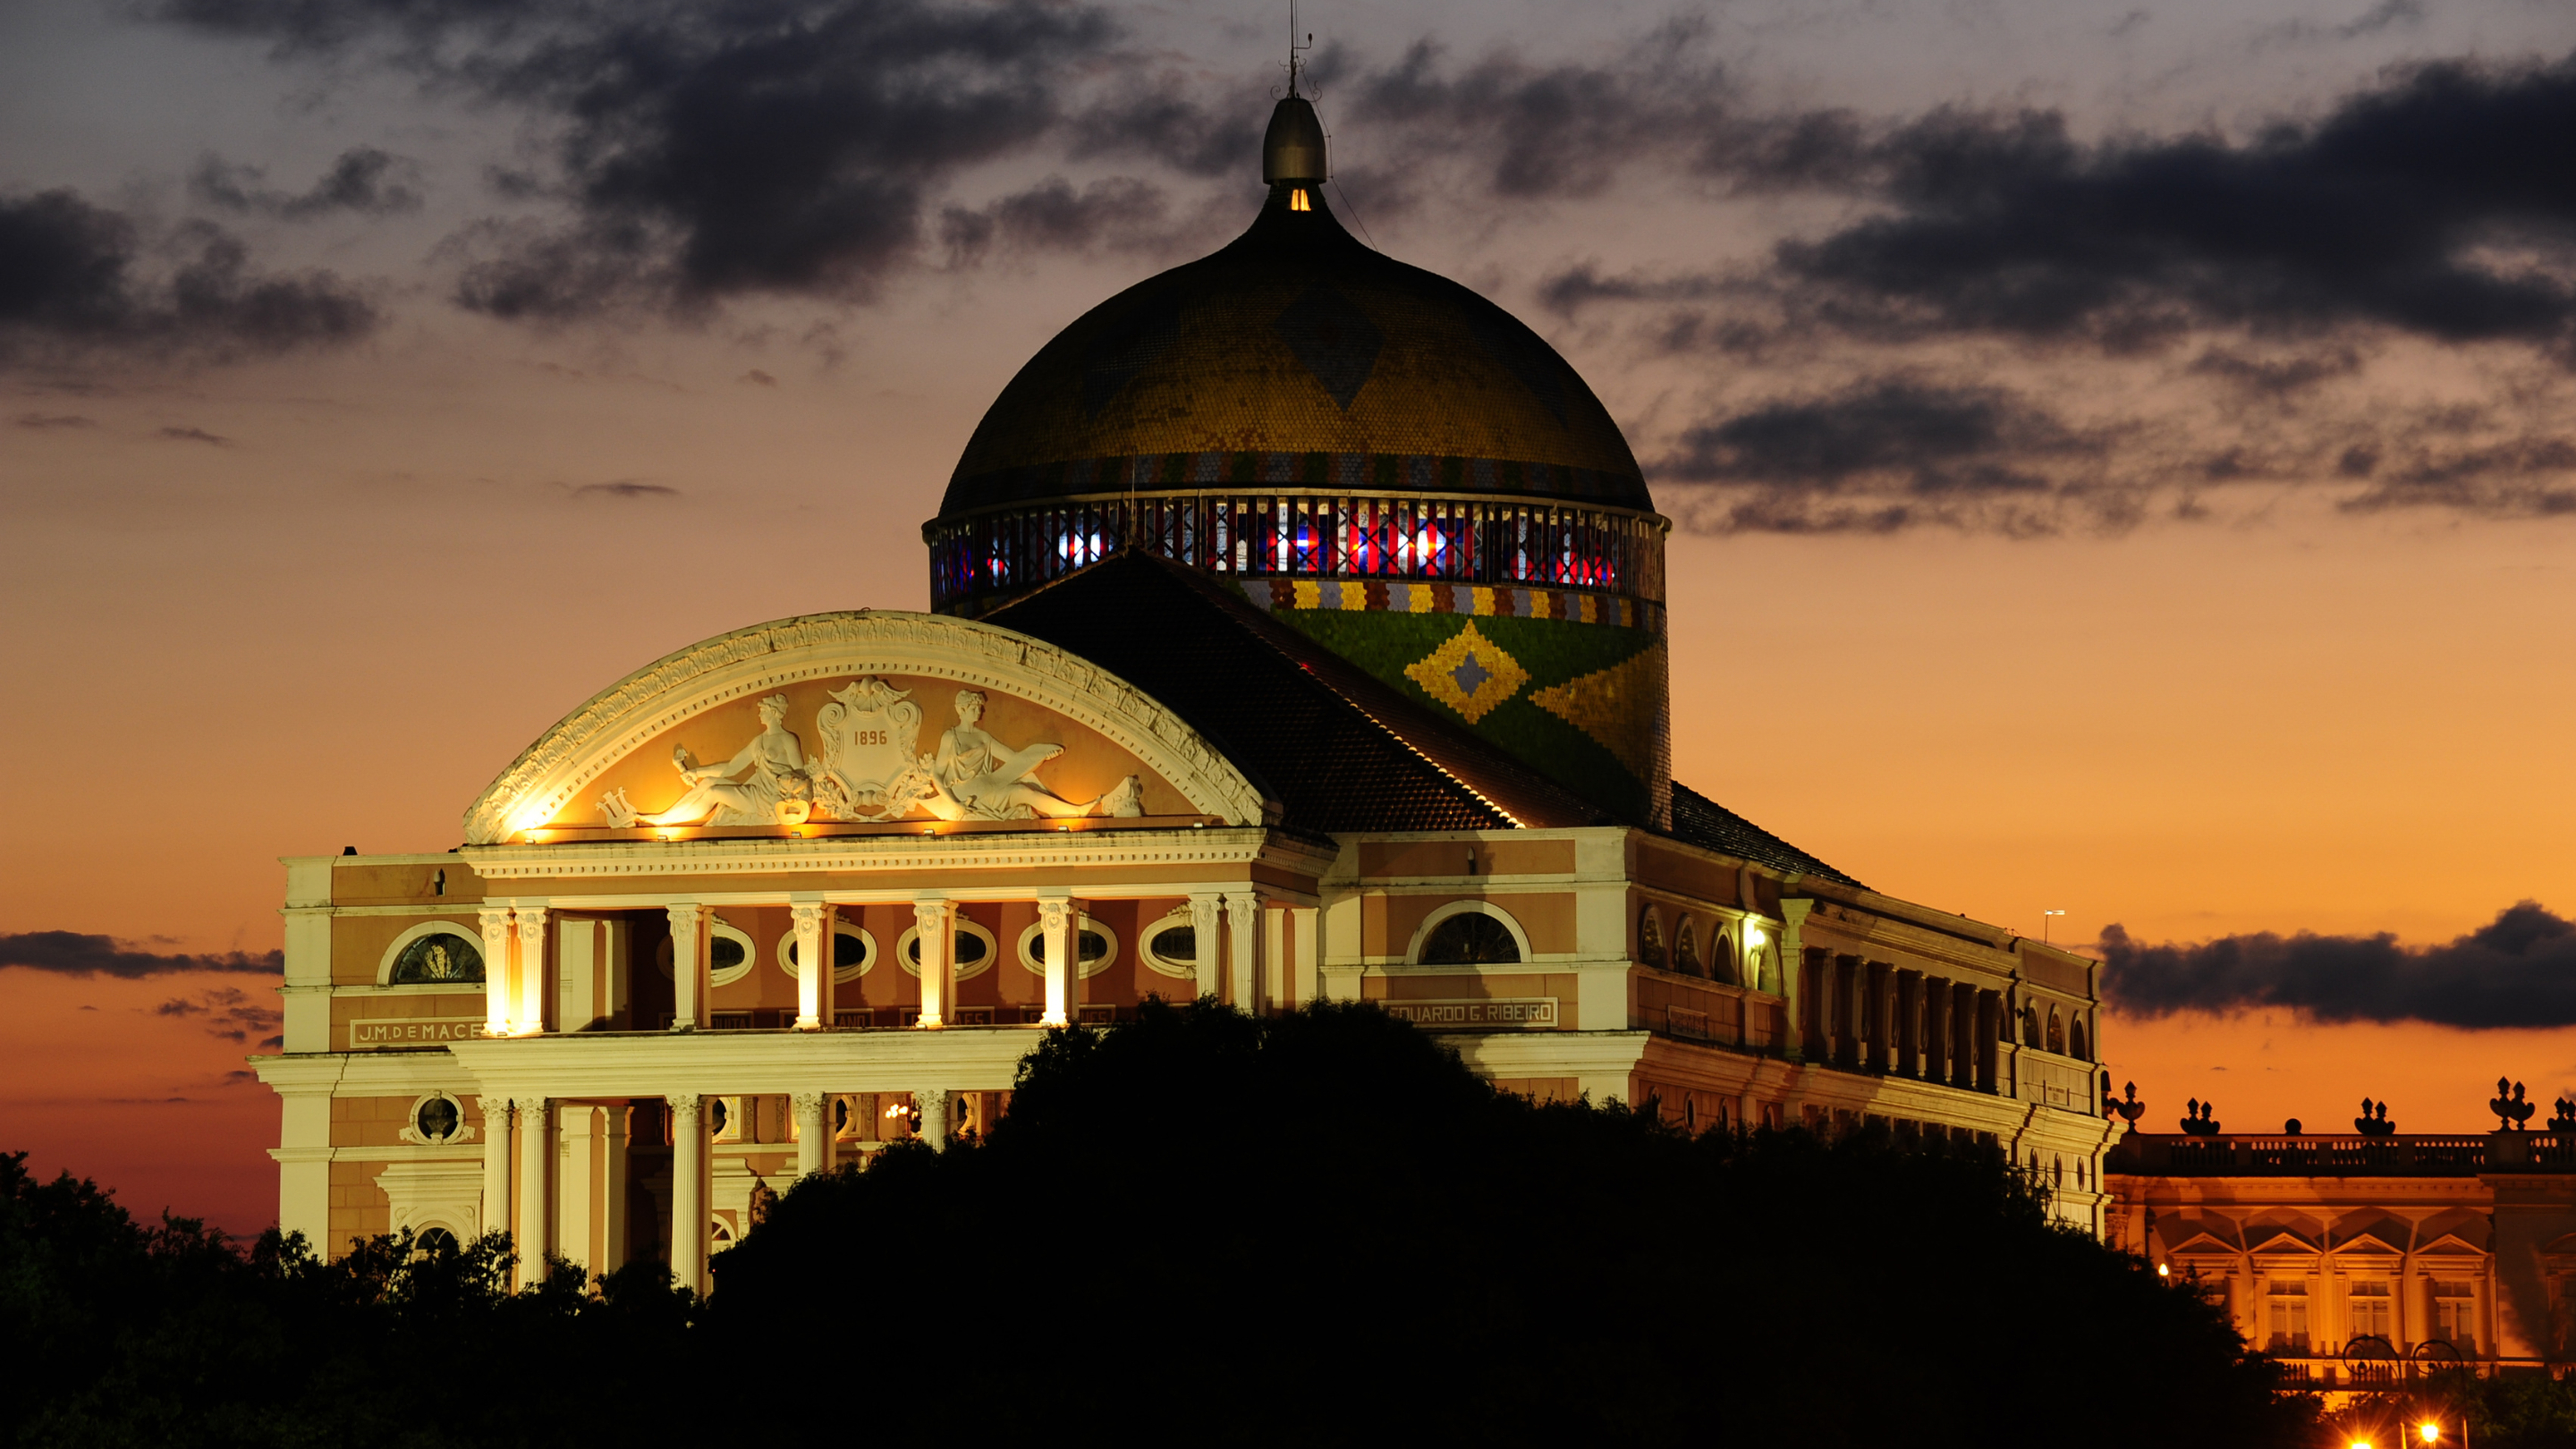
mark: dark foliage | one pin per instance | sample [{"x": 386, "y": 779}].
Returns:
[
  {"x": 1199, "y": 1228},
  {"x": 1322, "y": 1228},
  {"x": 118, "y": 1334}
]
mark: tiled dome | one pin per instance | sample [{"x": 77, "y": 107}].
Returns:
[{"x": 1297, "y": 351}]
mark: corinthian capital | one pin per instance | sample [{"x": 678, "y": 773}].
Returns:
[
  {"x": 1054, "y": 913},
  {"x": 808, "y": 1103},
  {"x": 931, "y": 915},
  {"x": 685, "y": 1111},
  {"x": 532, "y": 1114},
  {"x": 496, "y": 1111}
]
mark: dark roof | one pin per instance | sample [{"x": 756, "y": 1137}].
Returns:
[
  {"x": 1700, "y": 821},
  {"x": 1338, "y": 749},
  {"x": 1296, "y": 351}
]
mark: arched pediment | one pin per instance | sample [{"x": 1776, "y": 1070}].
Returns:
[{"x": 703, "y": 706}]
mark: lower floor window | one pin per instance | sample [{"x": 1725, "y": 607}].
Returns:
[
  {"x": 2370, "y": 1310},
  {"x": 2455, "y": 1315},
  {"x": 2289, "y": 1313}
]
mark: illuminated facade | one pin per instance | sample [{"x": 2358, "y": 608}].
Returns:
[
  {"x": 2362, "y": 1259},
  {"x": 1300, "y": 636}
]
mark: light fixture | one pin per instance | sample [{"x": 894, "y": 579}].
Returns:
[
  {"x": 2430, "y": 1431},
  {"x": 2164, "y": 1270}
]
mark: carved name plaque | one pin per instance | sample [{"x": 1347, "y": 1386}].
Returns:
[
  {"x": 1484, "y": 1014},
  {"x": 427, "y": 1031}
]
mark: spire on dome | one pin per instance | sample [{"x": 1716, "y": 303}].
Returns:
[{"x": 1293, "y": 148}]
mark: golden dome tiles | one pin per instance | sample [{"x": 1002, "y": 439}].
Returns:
[{"x": 1469, "y": 673}]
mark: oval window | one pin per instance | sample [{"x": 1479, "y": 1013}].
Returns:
[
  {"x": 970, "y": 949},
  {"x": 1180, "y": 943}
]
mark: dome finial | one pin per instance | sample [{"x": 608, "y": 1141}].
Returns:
[{"x": 1293, "y": 148}]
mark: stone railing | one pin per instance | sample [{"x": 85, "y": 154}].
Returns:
[{"x": 2155, "y": 1154}]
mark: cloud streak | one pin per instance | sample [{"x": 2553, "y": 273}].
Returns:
[
  {"x": 226, "y": 1012},
  {"x": 2518, "y": 970},
  {"x": 363, "y": 181},
  {"x": 73, "y": 953}
]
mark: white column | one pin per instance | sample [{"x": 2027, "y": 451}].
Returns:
[
  {"x": 1203, "y": 922},
  {"x": 496, "y": 1163},
  {"x": 578, "y": 1000},
  {"x": 1308, "y": 937},
  {"x": 1056, "y": 923},
  {"x": 932, "y": 1103},
  {"x": 497, "y": 980},
  {"x": 813, "y": 964},
  {"x": 612, "y": 1188},
  {"x": 813, "y": 1132},
  {"x": 536, "y": 1148},
  {"x": 689, "y": 1192},
  {"x": 689, "y": 988},
  {"x": 1274, "y": 953},
  {"x": 936, "y": 921},
  {"x": 577, "y": 1185},
  {"x": 1243, "y": 946},
  {"x": 303, "y": 1155},
  {"x": 532, "y": 967}
]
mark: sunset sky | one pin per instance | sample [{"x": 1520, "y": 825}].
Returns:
[{"x": 2122, "y": 456}]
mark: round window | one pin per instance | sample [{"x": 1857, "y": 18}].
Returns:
[
  {"x": 1172, "y": 945},
  {"x": 436, "y": 1119}
]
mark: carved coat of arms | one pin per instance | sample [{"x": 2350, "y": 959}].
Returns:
[{"x": 871, "y": 766}]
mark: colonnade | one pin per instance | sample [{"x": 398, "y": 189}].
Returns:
[
  {"x": 1870, "y": 1016},
  {"x": 532, "y": 1191},
  {"x": 1242, "y": 951}
]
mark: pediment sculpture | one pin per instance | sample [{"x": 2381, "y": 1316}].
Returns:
[
  {"x": 870, "y": 771},
  {"x": 764, "y": 783}
]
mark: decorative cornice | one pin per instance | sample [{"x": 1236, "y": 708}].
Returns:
[
  {"x": 551, "y": 773},
  {"x": 1229, "y": 845}
]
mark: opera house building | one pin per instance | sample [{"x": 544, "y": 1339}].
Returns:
[{"x": 1298, "y": 632}]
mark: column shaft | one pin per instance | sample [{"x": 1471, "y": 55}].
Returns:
[
  {"x": 577, "y": 1194},
  {"x": 932, "y": 1103},
  {"x": 935, "y": 930},
  {"x": 1057, "y": 926},
  {"x": 536, "y": 1209},
  {"x": 1243, "y": 949},
  {"x": 689, "y": 988},
  {"x": 813, "y": 964},
  {"x": 496, "y": 1163},
  {"x": 498, "y": 1003},
  {"x": 1305, "y": 930},
  {"x": 532, "y": 967},
  {"x": 689, "y": 1192},
  {"x": 813, "y": 1132},
  {"x": 1203, "y": 924}
]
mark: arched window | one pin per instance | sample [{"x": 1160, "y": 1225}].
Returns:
[
  {"x": 2056, "y": 1032},
  {"x": 2078, "y": 1046},
  {"x": 435, "y": 1243},
  {"x": 2030, "y": 1026},
  {"x": 1650, "y": 938},
  {"x": 1721, "y": 960},
  {"x": 1470, "y": 938},
  {"x": 1686, "y": 949}
]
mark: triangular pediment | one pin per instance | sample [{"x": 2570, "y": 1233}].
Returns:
[
  {"x": 863, "y": 719},
  {"x": 2202, "y": 1245},
  {"x": 2366, "y": 1245},
  {"x": 2449, "y": 1244},
  {"x": 2280, "y": 1242}
]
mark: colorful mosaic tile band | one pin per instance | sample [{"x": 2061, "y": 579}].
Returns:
[
  {"x": 1387, "y": 471},
  {"x": 1398, "y": 597}
]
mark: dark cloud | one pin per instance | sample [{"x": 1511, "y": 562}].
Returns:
[
  {"x": 2276, "y": 377},
  {"x": 224, "y": 1011},
  {"x": 1882, "y": 455},
  {"x": 760, "y": 146},
  {"x": 364, "y": 180},
  {"x": 194, "y": 435},
  {"x": 72, "y": 280},
  {"x": 2517, "y": 970},
  {"x": 1116, "y": 214},
  {"x": 71, "y": 953},
  {"x": 53, "y": 420},
  {"x": 2439, "y": 205},
  {"x": 625, "y": 488}
]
